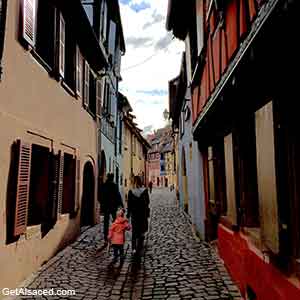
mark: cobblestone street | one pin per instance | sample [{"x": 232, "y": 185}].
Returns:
[{"x": 175, "y": 265}]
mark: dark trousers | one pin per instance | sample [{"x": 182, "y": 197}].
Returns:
[
  {"x": 137, "y": 241},
  {"x": 106, "y": 222},
  {"x": 118, "y": 252}
]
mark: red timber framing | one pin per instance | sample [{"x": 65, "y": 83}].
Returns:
[{"x": 228, "y": 34}]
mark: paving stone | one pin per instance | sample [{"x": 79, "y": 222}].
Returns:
[{"x": 174, "y": 265}]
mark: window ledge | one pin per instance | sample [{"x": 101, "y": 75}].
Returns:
[
  {"x": 33, "y": 232},
  {"x": 41, "y": 61},
  {"x": 67, "y": 88}
]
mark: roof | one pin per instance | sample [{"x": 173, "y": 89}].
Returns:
[
  {"x": 178, "y": 92},
  {"x": 116, "y": 9},
  {"x": 136, "y": 131},
  {"x": 179, "y": 17},
  {"x": 124, "y": 103}
]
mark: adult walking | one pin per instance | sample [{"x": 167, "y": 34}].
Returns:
[
  {"x": 110, "y": 201},
  {"x": 138, "y": 210}
]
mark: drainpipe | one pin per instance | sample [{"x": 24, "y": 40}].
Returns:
[{"x": 3, "y": 12}]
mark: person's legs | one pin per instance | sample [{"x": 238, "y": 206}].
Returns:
[
  {"x": 140, "y": 243},
  {"x": 121, "y": 251},
  {"x": 133, "y": 239},
  {"x": 116, "y": 253},
  {"x": 105, "y": 225}
]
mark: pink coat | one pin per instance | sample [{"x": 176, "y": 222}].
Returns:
[{"x": 116, "y": 233}]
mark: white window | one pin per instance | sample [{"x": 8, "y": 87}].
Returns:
[
  {"x": 62, "y": 45},
  {"x": 79, "y": 72},
  {"x": 86, "y": 84},
  {"x": 99, "y": 96}
]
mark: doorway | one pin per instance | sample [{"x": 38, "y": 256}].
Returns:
[{"x": 88, "y": 196}]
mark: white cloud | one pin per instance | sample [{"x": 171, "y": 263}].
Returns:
[{"x": 151, "y": 60}]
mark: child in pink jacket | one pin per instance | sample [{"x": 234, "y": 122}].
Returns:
[{"x": 116, "y": 235}]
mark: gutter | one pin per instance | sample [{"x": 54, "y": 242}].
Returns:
[{"x": 262, "y": 17}]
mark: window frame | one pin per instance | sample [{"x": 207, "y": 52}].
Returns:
[{"x": 62, "y": 45}]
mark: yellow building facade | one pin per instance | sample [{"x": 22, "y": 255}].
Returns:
[
  {"x": 134, "y": 154},
  {"x": 49, "y": 139}
]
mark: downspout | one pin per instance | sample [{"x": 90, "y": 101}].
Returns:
[{"x": 3, "y": 13}]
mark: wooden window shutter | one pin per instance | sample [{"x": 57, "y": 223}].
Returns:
[
  {"x": 266, "y": 177},
  {"x": 98, "y": 97},
  {"x": 86, "y": 84},
  {"x": 62, "y": 45},
  {"x": 29, "y": 21},
  {"x": 55, "y": 159},
  {"x": 77, "y": 186},
  {"x": 230, "y": 179},
  {"x": 104, "y": 16},
  {"x": 23, "y": 184},
  {"x": 60, "y": 183}
]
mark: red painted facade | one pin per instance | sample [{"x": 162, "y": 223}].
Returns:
[
  {"x": 222, "y": 42},
  {"x": 246, "y": 263},
  {"x": 248, "y": 268}
]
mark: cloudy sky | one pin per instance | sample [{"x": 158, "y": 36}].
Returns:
[{"x": 152, "y": 58}]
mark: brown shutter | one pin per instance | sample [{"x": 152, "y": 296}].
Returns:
[
  {"x": 60, "y": 183},
  {"x": 54, "y": 187},
  {"x": 23, "y": 181},
  {"x": 266, "y": 177},
  {"x": 29, "y": 21},
  {"x": 77, "y": 187},
  {"x": 230, "y": 179}
]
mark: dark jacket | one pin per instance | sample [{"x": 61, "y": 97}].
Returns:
[
  {"x": 138, "y": 209},
  {"x": 110, "y": 197}
]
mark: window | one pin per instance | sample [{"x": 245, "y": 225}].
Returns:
[
  {"x": 38, "y": 30},
  {"x": 43, "y": 185},
  {"x": 200, "y": 24},
  {"x": 86, "y": 85},
  {"x": 39, "y": 185},
  {"x": 107, "y": 99},
  {"x": 62, "y": 44},
  {"x": 79, "y": 72},
  {"x": 92, "y": 94},
  {"x": 69, "y": 174},
  {"x": 70, "y": 57},
  {"x": 215, "y": 178},
  {"x": 103, "y": 30},
  {"x": 246, "y": 172},
  {"x": 120, "y": 135},
  {"x": 99, "y": 97},
  {"x": 45, "y": 32}
]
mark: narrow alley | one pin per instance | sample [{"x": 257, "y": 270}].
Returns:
[{"x": 175, "y": 265}]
